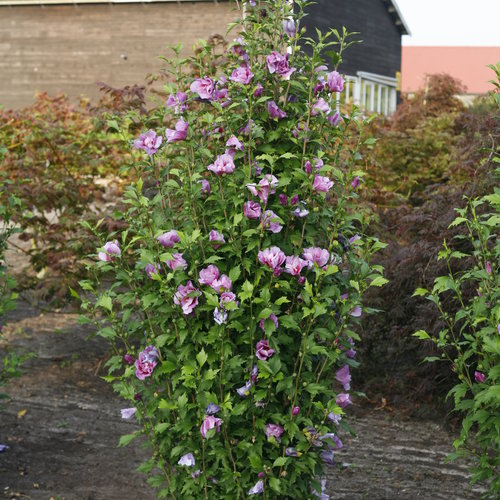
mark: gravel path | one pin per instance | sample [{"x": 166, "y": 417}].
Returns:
[{"x": 63, "y": 425}]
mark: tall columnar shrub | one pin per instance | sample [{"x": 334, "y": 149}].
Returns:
[{"x": 231, "y": 298}]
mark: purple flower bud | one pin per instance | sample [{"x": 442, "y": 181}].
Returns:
[
  {"x": 258, "y": 90},
  {"x": 283, "y": 200},
  {"x": 137, "y": 397},
  {"x": 295, "y": 410},
  {"x": 479, "y": 377},
  {"x": 355, "y": 182},
  {"x": 294, "y": 199},
  {"x": 290, "y": 27},
  {"x": 261, "y": 475},
  {"x": 205, "y": 187},
  {"x": 301, "y": 280},
  {"x": 488, "y": 267},
  {"x": 129, "y": 359},
  {"x": 308, "y": 167}
]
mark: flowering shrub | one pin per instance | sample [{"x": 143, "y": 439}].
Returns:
[
  {"x": 238, "y": 280},
  {"x": 470, "y": 339}
]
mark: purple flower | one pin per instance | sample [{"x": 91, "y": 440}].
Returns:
[
  {"x": 3, "y": 447},
  {"x": 212, "y": 409},
  {"x": 355, "y": 182},
  {"x": 243, "y": 75},
  {"x": 343, "y": 376},
  {"x": 149, "y": 142},
  {"x": 151, "y": 269},
  {"x": 169, "y": 239},
  {"x": 220, "y": 317},
  {"x": 277, "y": 63},
  {"x": 176, "y": 262},
  {"x": 327, "y": 457},
  {"x": 222, "y": 284},
  {"x": 318, "y": 164},
  {"x": 272, "y": 317},
  {"x": 252, "y": 210},
  {"x": 356, "y": 312},
  {"x": 246, "y": 129},
  {"x": 216, "y": 236},
  {"x": 283, "y": 200},
  {"x": 264, "y": 188},
  {"x": 274, "y": 430},
  {"x": 272, "y": 257},
  {"x": 294, "y": 199},
  {"x": 196, "y": 473},
  {"x": 180, "y": 132},
  {"x": 343, "y": 400},
  {"x": 263, "y": 351},
  {"x": 301, "y": 211},
  {"x": 257, "y": 488},
  {"x": 146, "y": 362},
  {"x": 294, "y": 265},
  {"x": 128, "y": 413},
  {"x": 258, "y": 90},
  {"x": 334, "y": 417},
  {"x": 274, "y": 111},
  {"x": 177, "y": 101},
  {"x": 204, "y": 87},
  {"x": 270, "y": 222},
  {"x": 209, "y": 423},
  {"x": 245, "y": 390},
  {"x": 227, "y": 298},
  {"x": 233, "y": 145},
  {"x": 254, "y": 375},
  {"x": 323, "y": 495},
  {"x": 292, "y": 452},
  {"x": 320, "y": 106},
  {"x": 354, "y": 238},
  {"x": 205, "y": 187},
  {"x": 295, "y": 410},
  {"x": 308, "y": 167},
  {"x": 187, "y": 297},
  {"x": 488, "y": 267},
  {"x": 111, "y": 249},
  {"x": 334, "y": 118},
  {"x": 187, "y": 460},
  {"x": 300, "y": 130},
  {"x": 498, "y": 329},
  {"x": 224, "y": 164},
  {"x": 322, "y": 184},
  {"x": 316, "y": 255},
  {"x": 208, "y": 275},
  {"x": 336, "y": 440},
  {"x": 290, "y": 27},
  {"x": 335, "y": 82},
  {"x": 479, "y": 377}
]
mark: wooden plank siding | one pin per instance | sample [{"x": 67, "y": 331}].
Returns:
[
  {"x": 380, "y": 51},
  {"x": 71, "y": 47}
]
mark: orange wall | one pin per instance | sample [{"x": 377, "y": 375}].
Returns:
[{"x": 467, "y": 64}]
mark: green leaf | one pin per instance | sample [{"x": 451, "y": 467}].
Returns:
[
  {"x": 421, "y": 334},
  {"x": 420, "y": 292},
  {"x": 127, "y": 439},
  {"x": 275, "y": 484},
  {"x": 281, "y": 300},
  {"x": 161, "y": 427},
  {"x": 279, "y": 462},
  {"x": 105, "y": 302},
  {"x": 265, "y": 313},
  {"x": 237, "y": 219},
  {"x": 379, "y": 281},
  {"x": 201, "y": 357},
  {"x": 235, "y": 273},
  {"x": 107, "y": 333}
]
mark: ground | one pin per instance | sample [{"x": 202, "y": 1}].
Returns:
[{"x": 63, "y": 424}]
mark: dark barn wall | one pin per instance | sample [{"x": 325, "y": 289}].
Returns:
[{"x": 380, "y": 51}]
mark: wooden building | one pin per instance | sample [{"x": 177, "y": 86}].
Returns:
[
  {"x": 373, "y": 67},
  {"x": 52, "y": 45}
]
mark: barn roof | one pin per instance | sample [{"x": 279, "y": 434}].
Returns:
[{"x": 393, "y": 9}]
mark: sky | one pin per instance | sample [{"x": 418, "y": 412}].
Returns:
[{"x": 451, "y": 22}]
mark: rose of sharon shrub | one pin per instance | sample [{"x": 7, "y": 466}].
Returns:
[{"x": 242, "y": 337}]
